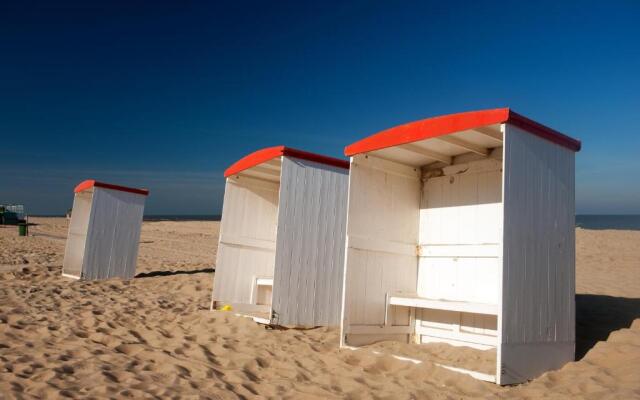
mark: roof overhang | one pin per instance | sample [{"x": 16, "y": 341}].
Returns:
[
  {"x": 450, "y": 124},
  {"x": 265, "y": 155},
  {"x": 90, "y": 183}
]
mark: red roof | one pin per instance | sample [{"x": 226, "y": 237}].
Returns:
[
  {"x": 89, "y": 183},
  {"x": 446, "y": 124},
  {"x": 264, "y": 155}
]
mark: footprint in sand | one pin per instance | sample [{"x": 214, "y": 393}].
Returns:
[
  {"x": 65, "y": 369},
  {"x": 262, "y": 362},
  {"x": 129, "y": 349},
  {"x": 183, "y": 371},
  {"x": 110, "y": 376}
]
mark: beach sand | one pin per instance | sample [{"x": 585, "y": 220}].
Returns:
[{"x": 154, "y": 336}]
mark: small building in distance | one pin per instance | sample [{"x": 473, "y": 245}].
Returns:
[{"x": 12, "y": 214}]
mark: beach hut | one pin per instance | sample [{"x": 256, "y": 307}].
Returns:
[
  {"x": 281, "y": 246},
  {"x": 461, "y": 231},
  {"x": 104, "y": 231}
]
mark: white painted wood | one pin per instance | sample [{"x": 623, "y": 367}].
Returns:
[
  {"x": 463, "y": 337},
  {"x": 282, "y": 242},
  {"x": 264, "y": 281},
  {"x": 474, "y": 374},
  {"x": 493, "y": 235},
  {"x": 537, "y": 321},
  {"x": 379, "y": 330},
  {"x": 494, "y": 134},
  {"x": 264, "y": 295},
  {"x": 247, "y": 238},
  {"x": 434, "y": 155},
  {"x": 268, "y": 172},
  {"x": 77, "y": 237},
  {"x": 386, "y": 166},
  {"x": 384, "y": 200},
  {"x": 465, "y": 158},
  {"x": 309, "y": 262},
  {"x": 104, "y": 234},
  {"x": 113, "y": 234},
  {"x": 424, "y": 339},
  {"x": 460, "y": 225},
  {"x": 372, "y": 244},
  {"x": 247, "y": 242},
  {"x": 456, "y": 247},
  {"x": 522, "y": 362},
  {"x": 465, "y": 144},
  {"x": 484, "y": 250},
  {"x": 261, "y": 291},
  {"x": 446, "y": 305},
  {"x": 262, "y": 321}
]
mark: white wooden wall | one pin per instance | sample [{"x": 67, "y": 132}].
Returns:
[
  {"x": 77, "y": 237},
  {"x": 309, "y": 261},
  {"x": 113, "y": 235},
  {"x": 460, "y": 236},
  {"x": 537, "y": 324},
  {"x": 246, "y": 249},
  {"x": 382, "y": 233}
]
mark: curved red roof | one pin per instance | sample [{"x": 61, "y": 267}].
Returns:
[
  {"x": 264, "y": 155},
  {"x": 446, "y": 124},
  {"x": 89, "y": 183}
]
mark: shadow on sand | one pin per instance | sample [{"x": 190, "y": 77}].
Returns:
[
  {"x": 171, "y": 273},
  {"x": 597, "y": 316}
]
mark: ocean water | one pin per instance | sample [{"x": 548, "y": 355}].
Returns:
[
  {"x": 181, "y": 218},
  {"x": 627, "y": 222}
]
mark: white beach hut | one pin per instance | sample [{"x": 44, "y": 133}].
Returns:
[
  {"x": 281, "y": 249},
  {"x": 461, "y": 230},
  {"x": 104, "y": 231}
]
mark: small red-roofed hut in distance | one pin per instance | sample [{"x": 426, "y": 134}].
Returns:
[{"x": 104, "y": 231}]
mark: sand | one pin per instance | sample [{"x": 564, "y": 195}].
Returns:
[{"x": 153, "y": 337}]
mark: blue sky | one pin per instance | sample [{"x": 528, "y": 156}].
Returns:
[{"x": 166, "y": 95}]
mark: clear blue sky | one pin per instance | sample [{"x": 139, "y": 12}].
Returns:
[{"x": 166, "y": 95}]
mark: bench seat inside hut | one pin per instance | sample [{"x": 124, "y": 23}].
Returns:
[{"x": 461, "y": 231}]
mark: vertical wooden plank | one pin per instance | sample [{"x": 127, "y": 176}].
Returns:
[
  {"x": 462, "y": 208},
  {"x": 77, "y": 236},
  {"x": 113, "y": 234},
  {"x": 538, "y": 283},
  {"x": 310, "y": 245},
  {"x": 249, "y": 213},
  {"x": 383, "y": 208}
]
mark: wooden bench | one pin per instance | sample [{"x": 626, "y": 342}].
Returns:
[{"x": 413, "y": 300}]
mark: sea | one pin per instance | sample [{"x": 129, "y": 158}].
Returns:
[
  {"x": 182, "y": 217},
  {"x": 625, "y": 222}
]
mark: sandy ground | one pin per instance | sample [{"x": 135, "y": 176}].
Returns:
[{"x": 153, "y": 337}]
